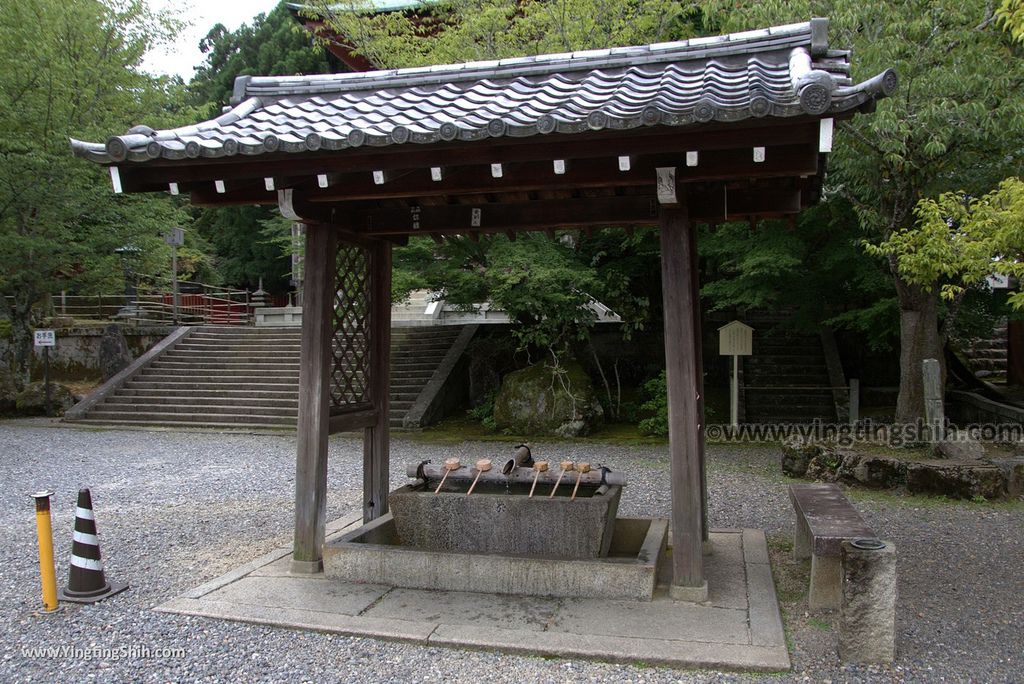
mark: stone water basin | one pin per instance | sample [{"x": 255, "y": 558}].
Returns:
[{"x": 375, "y": 553}]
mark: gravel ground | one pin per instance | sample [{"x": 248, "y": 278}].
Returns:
[{"x": 175, "y": 509}]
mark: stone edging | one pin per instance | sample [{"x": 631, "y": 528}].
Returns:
[{"x": 419, "y": 413}]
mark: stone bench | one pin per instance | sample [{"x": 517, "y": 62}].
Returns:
[{"x": 824, "y": 520}]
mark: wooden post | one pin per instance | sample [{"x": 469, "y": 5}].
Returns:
[
  {"x": 854, "y": 400},
  {"x": 314, "y": 399},
  {"x": 678, "y": 261},
  {"x": 698, "y": 350},
  {"x": 934, "y": 413},
  {"x": 376, "y": 438}
]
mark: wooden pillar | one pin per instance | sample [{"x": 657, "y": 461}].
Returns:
[
  {"x": 698, "y": 332},
  {"x": 314, "y": 399},
  {"x": 678, "y": 261},
  {"x": 377, "y": 437}
]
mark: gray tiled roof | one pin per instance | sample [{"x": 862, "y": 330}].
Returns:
[{"x": 777, "y": 72}]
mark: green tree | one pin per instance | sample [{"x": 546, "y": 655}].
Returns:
[
  {"x": 247, "y": 240},
  {"x": 1011, "y": 18},
  {"x": 70, "y": 68},
  {"x": 813, "y": 268},
  {"x": 271, "y": 45},
  {"x": 958, "y": 241},
  {"x": 954, "y": 124},
  {"x": 450, "y": 31},
  {"x": 545, "y": 285}
]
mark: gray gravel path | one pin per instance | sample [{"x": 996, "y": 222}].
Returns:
[{"x": 177, "y": 508}]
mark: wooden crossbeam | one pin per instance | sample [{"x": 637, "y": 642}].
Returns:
[
  {"x": 154, "y": 175},
  {"x": 544, "y": 215},
  {"x": 780, "y": 161}
]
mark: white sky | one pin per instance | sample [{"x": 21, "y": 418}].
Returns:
[{"x": 182, "y": 55}]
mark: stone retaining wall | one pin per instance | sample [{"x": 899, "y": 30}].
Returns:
[
  {"x": 77, "y": 354},
  {"x": 989, "y": 477}
]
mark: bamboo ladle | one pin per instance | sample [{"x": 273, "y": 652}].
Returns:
[
  {"x": 538, "y": 467},
  {"x": 566, "y": 467},
  {"x": 450, "y": 464},
  {"x": 482, "y": 466},
  {"x": 581, "y": 468}
]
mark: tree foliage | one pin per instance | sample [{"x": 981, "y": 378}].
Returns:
[
  {"x": 815, "y": 269},
  {"x": 70, "y": 68},
  {"x": 1011, "y": 18},
  {"x": 251, "y": 242},
  {"x": 955, "y": 124},
  {"x": 959, "y": 241},
  {"x": 272, "y": 44},
  {"x": 450, "y": 31}
]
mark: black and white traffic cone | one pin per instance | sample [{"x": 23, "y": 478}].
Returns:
[{"x": 86, "y": 582}]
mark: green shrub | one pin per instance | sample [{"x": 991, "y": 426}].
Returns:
[
  {"x": 484, "y": 413},
  {"x": 656, "y": 408}
]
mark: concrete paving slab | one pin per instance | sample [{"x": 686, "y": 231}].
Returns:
[
  {"x": 738, "y": 628},
  {"x": 294, "y": 618},
  {"x": 463, "y": 608},
  {"x": 755, "y": 547},
  {"x": 765, "y": 620},
  {"x": 664, "y": 618},
  {"x": 300, "y": 592},
  {"x": 727, "y": 582},
  {"x": 653, "y": 651}
]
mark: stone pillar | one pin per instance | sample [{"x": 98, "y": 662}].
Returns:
[{"x": 867, "y": 615}]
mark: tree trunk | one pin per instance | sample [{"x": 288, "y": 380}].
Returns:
[
  {"x": 920, "y": 339},
  {"x": 19, "y": 311}
]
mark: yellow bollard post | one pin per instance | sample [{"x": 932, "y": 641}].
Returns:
[{"x": 47, "y": 572}]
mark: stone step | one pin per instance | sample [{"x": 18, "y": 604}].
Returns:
[
  {"x": 249, "y": 419},
  {"x": 223, "y": 393},
  {"x": 243, "y": 362},
  {"x": 220, "y": 351},
  {"x": 413, "y": 366},
  {"x": 772, "y": 382},
  {"x": 235, "y": 408},
  {"x": 178, "y": 424},
  {"x": 139, "y": 400},
  {"x": 189, "y": 384},
  {"x": 216, "y": 369},
  {"x": 256, "y": 338},
  {"x": 403, "y": 396}
]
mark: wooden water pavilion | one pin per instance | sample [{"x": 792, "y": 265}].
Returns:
[{"x": 714, "y": 129}]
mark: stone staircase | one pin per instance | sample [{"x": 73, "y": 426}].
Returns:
[
  {"x": 987, "y": 357},
  {"x": 786, "y": 380},
  {"x": 238, "y": 377}
]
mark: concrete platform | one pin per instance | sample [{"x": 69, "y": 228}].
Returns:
[{"x": 737, "y": 628}]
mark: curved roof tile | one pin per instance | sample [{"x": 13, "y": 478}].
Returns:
[{"x": 782, "y": 71}]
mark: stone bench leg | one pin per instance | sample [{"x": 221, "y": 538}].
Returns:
[
  {"x": 867, "y": 617},
  {"x": 801, "y": 539},
  {"x": 826, "y": 583}
]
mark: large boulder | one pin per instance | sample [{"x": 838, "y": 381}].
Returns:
[
  {"x": 960, "y": 448},
  {"x": 1012, "y": 469},
  {"x": 542, "y": 400},
  {"x": 114, "y": 353},
  {"x": 956, "y": 480},
  {"x": 796, "y": 455},
  {"x": 32, "y": 399},
  {"x": 826, "y": 463},
  {"x": 880, "y": 472}
]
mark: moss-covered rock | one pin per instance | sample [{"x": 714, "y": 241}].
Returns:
[
  {"x": 541, "y": 399},
  {"x": 32, "y": 399},
  {"x": 8, "y": 389}
]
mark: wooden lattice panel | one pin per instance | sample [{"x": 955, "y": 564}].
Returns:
[{"x": 352, "y": 338}]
